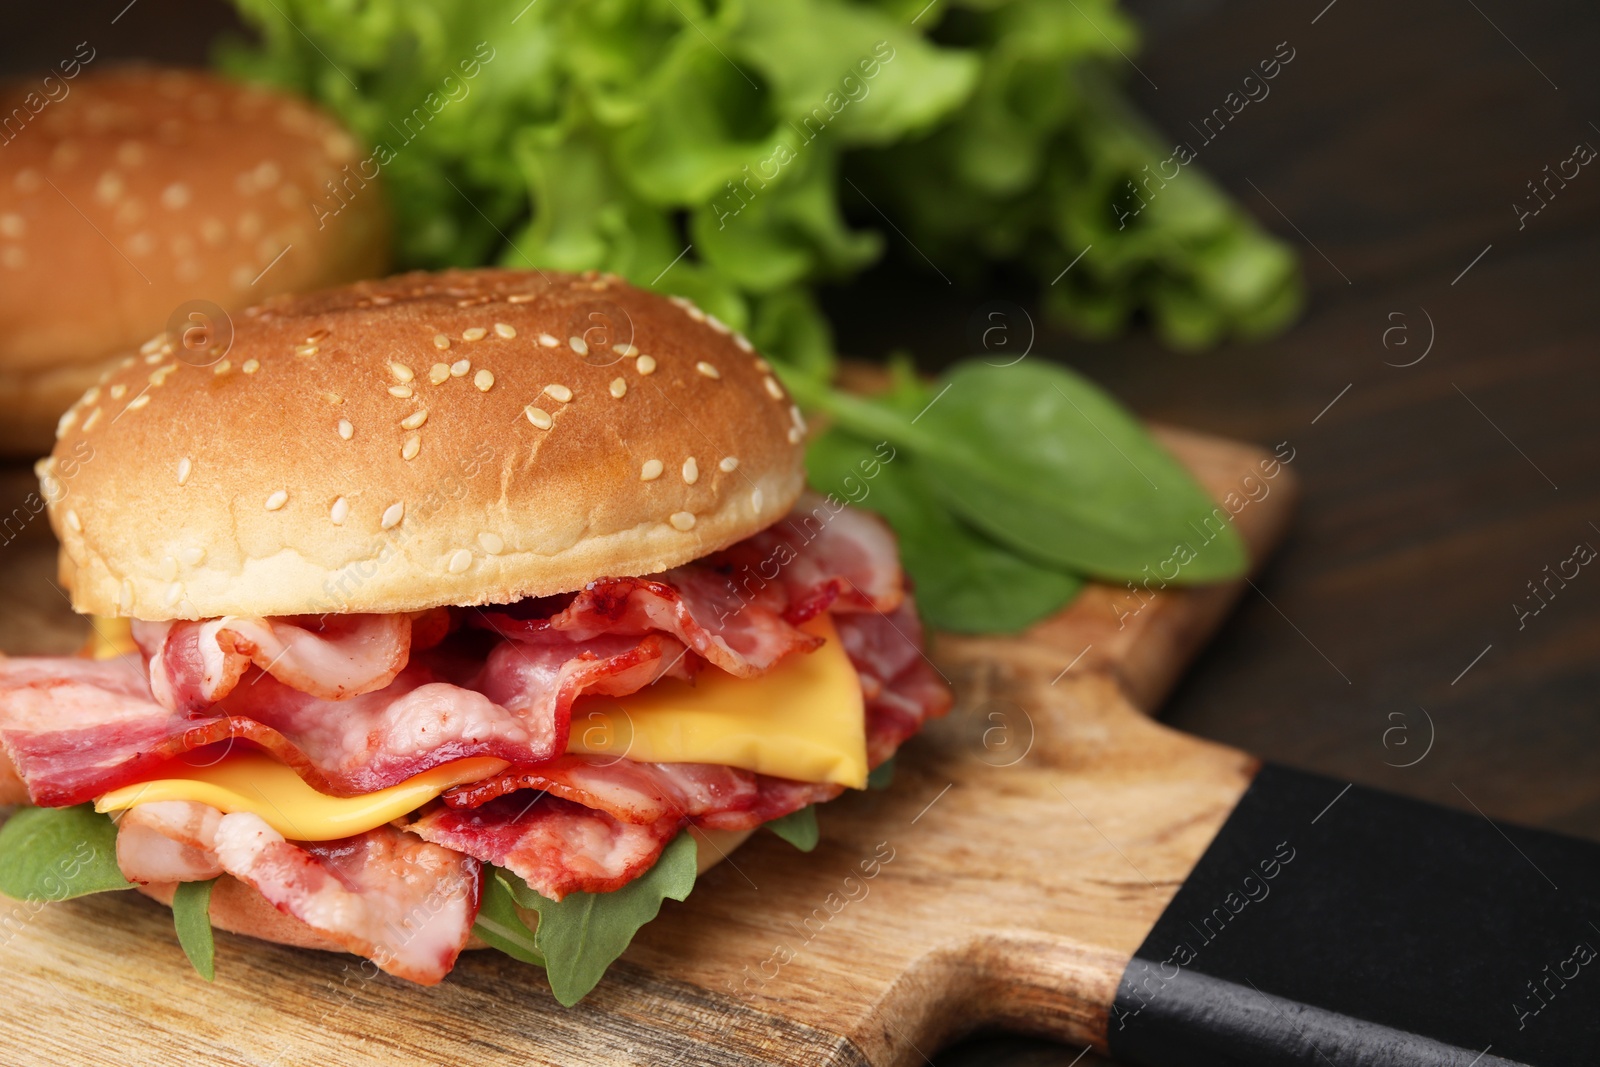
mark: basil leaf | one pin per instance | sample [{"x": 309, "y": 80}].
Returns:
[
  {"x": 582, "y": 935},
  {"x": 799, "y": 828},
  {"x": 499, "y": 925},
  {"x": 191, "y": 914},
  {"x": 1044, "y": 461},
  {"x": 965, "y": 581},
  {"x": 881, "y": 775},
  {"x": 58, "y": 854}
]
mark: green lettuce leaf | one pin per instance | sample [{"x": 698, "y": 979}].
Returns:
[
  {"x": 59, "y": 854},
  {"x": 799, "y": 828},
  {"x": 499, "y": 924},
  {"x": 191, "y": 914},
  {"x": 583, "y": 934},
  {"x": 882, "y": 775}
]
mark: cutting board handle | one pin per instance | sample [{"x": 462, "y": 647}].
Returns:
[{"x": 1337, "y": 925}]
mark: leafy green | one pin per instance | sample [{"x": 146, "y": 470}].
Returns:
[
  {"x": 767, "y": 143},
  {"x": 966, "y": 582},
  {"x": 191, "y": 914},
  {"x": 1009, "y": 483},
  {"x": 499, "y": 924},
  {"x": 882, "y": 775},
  {"x": 583, "y": 934},
  {"x": 58, "y": 854},
  {"x": 799, "y": 828}
]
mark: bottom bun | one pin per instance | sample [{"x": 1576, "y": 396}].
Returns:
[{"x": 240, "y": 909}]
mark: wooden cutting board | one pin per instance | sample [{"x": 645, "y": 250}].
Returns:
[{"x": 1028, "y": 844}]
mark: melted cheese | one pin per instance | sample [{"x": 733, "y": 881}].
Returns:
[
  {"x": 261, "y": 785},
  {"x": 110, "y": 636},
  {"x": 805, "y": 719}
]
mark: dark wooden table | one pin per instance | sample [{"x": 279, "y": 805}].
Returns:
[{"x": 1391, "y": 153}]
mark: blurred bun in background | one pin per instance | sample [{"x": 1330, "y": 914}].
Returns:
[{"x": 131, "y": 197}]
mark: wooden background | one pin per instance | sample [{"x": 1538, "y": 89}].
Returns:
[{"x": 1397, "y": 142}]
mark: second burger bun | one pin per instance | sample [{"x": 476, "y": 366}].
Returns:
[
  {"x": 137, "y": 190},
  {"x": 469, "y": 437}
]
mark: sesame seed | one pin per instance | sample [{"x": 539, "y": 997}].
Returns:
[
  {"x": 340, "y": 510},
  {"x": 460, "y": 560},
  {"x": 346, "y": 430},
  {"x": 505, "y": 329},
  {"x": 521, "y": 298},
  {"x": 691, "y": 471},
  {"x": 64, "y": 423},
  {"x": 549, "y": 340},
  {"x": 491, "y": 543},
  {"x": 695, "y": 313},
  {"x": 126, "y": 599},
  {"x": 795, "y": 435},
  {"x": 625, "y": 350},
  {"x": 682, "y": 520},
  {"x": 415, "y": 419},
  {"x": 73, "y": 522},
  {"x": 708, "y": 370},
  {"x": 153, "y": 358},
  {"x": 174, "y": 591},
  {"x": 153, "y": 345},
  {"x": 222, "y": 368},
  {"x": 618, "y": 388},
  {"x": 441, "y": 342},
  {"x": 718, "y": 325},
  {"x": 401, "y": 391},
  {"x": 438, "y": 373},
  {"x": 118, "y": 391},
  {"x": 193, "y": 556},
  {"x": 560, "y": 392},
  {"x": 538, "y": 416},
  {"x": 185, "y": 468},
  {"x": 755, "y": 500},
  {"x": 92, "y": 395},
  {"x": 651, "y": 470},
  {"x": 743, "y": 342},
  {"x": 797, "y": 418},
  {"x": 645, "y": 364},
  {"x": 277, "y": 500},
  {"x": 484, "y": 380},
  {"x": 401, "y": 371},
  {"x": 139, "y": 401},
  {"x": 729, "y": 464},
  {"x": 763, "y": 366},
  {"x": 89, "y": 423},
  {"x": 392, "y": 515},
  {"x": 579, "y": 345},
  {"x": 169, "y": 567},
  {"x": 251, "y": 366},
  {"x": 459, "y": 368},
  {"x": 305, "y": 350},
  {"x": 412, "y": 446},
  {"x": 474, "y": 334}
]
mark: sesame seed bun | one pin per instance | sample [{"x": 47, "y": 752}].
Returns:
[
  {"x": 240, "y": 909},
  {"x": 461, "y": 438},
  {"x": 129, "y": 192}
]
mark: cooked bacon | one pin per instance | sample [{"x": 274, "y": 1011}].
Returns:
[
  {"x": 554, "y": 845},
  {"x": 403, "y": 903},
  {"x": 196, "y": 664},
  {"x": 168, "y": 841},
  {"x": 902, "y": 688}
]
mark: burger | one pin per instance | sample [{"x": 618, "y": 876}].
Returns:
[
  {"x": 448, "y": 610},
  {"x": 166, "y": 194}
]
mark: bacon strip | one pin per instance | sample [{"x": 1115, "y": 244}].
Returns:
[{"x": 554, "y": 845}]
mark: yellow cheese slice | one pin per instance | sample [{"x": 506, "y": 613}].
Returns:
[
  {"x": 111, "y": 636},
  {"x": 804, "y": 719},
  {"x": 259, "y": 784}
]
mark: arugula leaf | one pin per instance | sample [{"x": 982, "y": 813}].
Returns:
[
  {"x": 191, "y": 914},
  {"x": 881, "y": 775},
  {"x": 799, "y": 828},
  {"x": 59, "y": 854},
  {"x": 582, "y": 935},
  {"x": 499, "y": 925},
  {"x": 965, "y": 581}
]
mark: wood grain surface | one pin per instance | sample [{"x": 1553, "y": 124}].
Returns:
[{"x": 1027, "y": 845}]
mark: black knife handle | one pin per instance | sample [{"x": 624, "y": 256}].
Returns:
[{"x": 1334, "y": 925}]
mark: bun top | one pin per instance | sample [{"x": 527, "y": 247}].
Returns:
[
  {"x": 467, "y": 437},
  {"x": 126, "y": 192}
]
